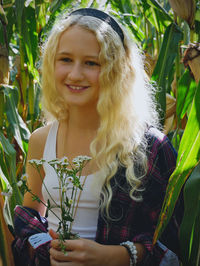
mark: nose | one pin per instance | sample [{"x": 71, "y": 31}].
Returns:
[{"x": 75, "y": 72}]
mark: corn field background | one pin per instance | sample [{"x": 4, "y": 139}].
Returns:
[{"x": 168, "y": 34}]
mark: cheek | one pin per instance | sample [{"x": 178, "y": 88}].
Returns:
[
  {"x": 95, "y": 78},
  {"x": 60, "y": 72}
]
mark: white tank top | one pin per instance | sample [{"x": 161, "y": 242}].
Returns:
[{"x": 85, "y": 220}]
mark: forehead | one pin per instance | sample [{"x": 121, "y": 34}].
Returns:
[{"x": 77, "y": 39}]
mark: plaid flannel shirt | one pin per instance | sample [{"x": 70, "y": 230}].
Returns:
[
  {"x": 28, "y": 222},
  {"x": 136, "y": 221}
]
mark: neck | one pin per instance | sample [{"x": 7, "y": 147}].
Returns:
[{"x": 83, "y": 119}]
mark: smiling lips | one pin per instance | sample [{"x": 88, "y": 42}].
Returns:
[{"x": 77, "y": 88}]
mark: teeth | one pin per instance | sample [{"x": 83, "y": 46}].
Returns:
[{"x": 75, "y": 87}]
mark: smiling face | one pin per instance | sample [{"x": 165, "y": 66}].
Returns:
[{"x": 77, "y": 67}]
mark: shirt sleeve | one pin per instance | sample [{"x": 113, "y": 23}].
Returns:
[
  {"x": 28, "y": 222},
  {"x": 161, "y": 164}
]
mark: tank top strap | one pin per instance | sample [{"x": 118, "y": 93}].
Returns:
[{"x": 50, "y": 145}]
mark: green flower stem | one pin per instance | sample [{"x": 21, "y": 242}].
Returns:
[
  {"x": 74, "y": 201},
  {"x": 42, "y": 202},
  {"x": 61, "y": 203},
  {"x": 73, "y": 207},
  {"x": 37, "y": 168},
  {"x": 72, "y": 198}
]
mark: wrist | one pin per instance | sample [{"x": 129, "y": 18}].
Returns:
[
  {"x": 115, "y": 255},
  {"x": 132, "y": 250}
]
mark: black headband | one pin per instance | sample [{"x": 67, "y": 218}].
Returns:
[{"x": 101, "y": 15}]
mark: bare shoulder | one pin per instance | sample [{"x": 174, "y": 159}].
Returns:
[{"x": 37, "y": 142}]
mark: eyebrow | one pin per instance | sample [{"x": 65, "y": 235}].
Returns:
[{"x": 86, "y": 56}]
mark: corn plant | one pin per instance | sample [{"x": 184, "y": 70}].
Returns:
[{"x": 163, "y": 29}]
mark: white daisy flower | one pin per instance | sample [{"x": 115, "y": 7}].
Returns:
[{"x": 19, "y": 183}]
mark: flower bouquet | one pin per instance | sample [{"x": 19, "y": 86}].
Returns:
[{"x": 68, "y": 175}]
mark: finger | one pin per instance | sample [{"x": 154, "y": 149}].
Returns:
[
  {"x": 53, "y": 234},
  {"x": 56, "y": 244},
  {"x": 59, "y": 255},
  {"x": 60, "y": 263}
]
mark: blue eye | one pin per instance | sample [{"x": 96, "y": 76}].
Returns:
[
  {"x": 66, "y": 59},
  {"x": 92, "y": 63}
]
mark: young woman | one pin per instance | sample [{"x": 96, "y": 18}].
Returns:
[{"x": 95, "y": 88}]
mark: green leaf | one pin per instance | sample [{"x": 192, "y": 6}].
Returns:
[
  {"x": 6, "y": 208},
  {"x": 123, "y": 11},
  {"x": 31, "y": 98},
  {"x": 156, "y": 5},
  {"x": 3, "y": 241},
  {"x": 3, "y": 17},
  {"x": 190, "y": 229},
  {"x": 30, "y": 35},
  {"x": 19, "y": 8},
  {"x": 6, "y": 148},
  {"x": 57, "y": 8},
  {"x": 164, "y": 64},
  {"x": 156, "y": 14},
  {"x": 1, "y": 108},
  {"x": 186, "y": 90},
  {"x": 10, "y": 153},
  {"x": 12, "y": 20},
  {"x": 188, "y": 159},
  {"x": 29, "y": 40},
  {"x": 18, "y": 127}
]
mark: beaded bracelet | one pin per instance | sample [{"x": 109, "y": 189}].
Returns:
[{"x": 132, "y": 251}]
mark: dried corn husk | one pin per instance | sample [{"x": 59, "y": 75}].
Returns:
[
  {"x": 149, "y": 64},
  {"x": 170, "y": 113},
  {"x": 4, "y": 66},
  {"x": 185, "y": 9},
  {"x": 8, "y": 238},
  {"x": 192, "y": 59},
  {"x": 174, "y": 85}
]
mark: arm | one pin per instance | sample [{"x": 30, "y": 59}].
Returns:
[
  {"x": 90, "y": 253},
  {"x": 35, "y": 151},
  {"x": 162, "y": 162},
  {"x": 27, "y": 220}
]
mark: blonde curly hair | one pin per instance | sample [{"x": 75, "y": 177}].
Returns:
[{"x": 125, "y": 105}]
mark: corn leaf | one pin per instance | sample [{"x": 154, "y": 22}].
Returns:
[
  {"x": 188, "y": 159},
  {"x": 156, "y": 14},
  {"x": 11, "y": 178},
  {"x": 190, "y": 229},
  {"x": 128, "y": 17},
  {"x": 19, "y": 129},
  {"x": 6, "y": 205},
  {"x": 186, "y": 90},
  {"x": 8, "y": 149},
  {"x": 3, "y": 249},
  {"x": 1, "y": 108},
  {"x": 6, "y": 257},
  {"x": 164, "y": 64},
  {"x": 156, "y": 5},
  {"x": 3, "y": 164},
  {"x": 56, "y": 8},
  {"x": 30, "y": 39},
  {"x": 11, "y": 19},
  {"x": 19, "y": 8}
]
